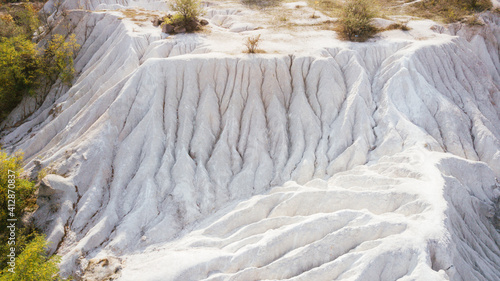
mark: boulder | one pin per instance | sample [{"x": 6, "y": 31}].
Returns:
[
  {"x": 191, "y": 25},
  {"x": 167, "y": 28},
  {"x": 203, "y": 22},
  {"x": 179, "y": 29}
]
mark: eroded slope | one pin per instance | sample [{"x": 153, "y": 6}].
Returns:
[{"x": 158, "y": 136}]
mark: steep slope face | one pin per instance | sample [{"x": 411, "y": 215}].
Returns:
[{"x": 158, "y": 137}]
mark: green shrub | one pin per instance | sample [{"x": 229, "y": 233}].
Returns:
[
  {"x": 25, "y": 67},
  {"x": 25, "y": 201},
  {"x": 8, "y": 28},
  {"x": 355, "y": 21},
  {"x": 26, "y": 18},
  {"x": 175, "y": 20},
  {"x": 19, "y": 69},
  {"x": 25, "y": 189},
  {"x": 57, "y": 59},
  {"x": 33, "y": 264},
  {"x": 188, "y": 9},
  {"x": 20, "y": 20}
]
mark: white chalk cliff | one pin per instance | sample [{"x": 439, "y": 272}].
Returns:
[{"x": 175, "y": 158}]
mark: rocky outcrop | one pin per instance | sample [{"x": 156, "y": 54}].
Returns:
[
  {"x": 57, "y": 201},
  {"x": 103, "y": 269}
]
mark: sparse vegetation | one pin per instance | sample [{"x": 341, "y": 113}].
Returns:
[
  {"x": 439, "y": 10},
  {"x": 355, "y": 21},
  {"x": 403, "y": 25},
  {"x": 252, "y": 43},
  {"x": 474, "y": 20},
  {"x": 137, "y": 14},
  {"x": 315, "y": 7},
  {"x": 283, "y": 18},
  {"x": 261, "y": 4},
  {"x": 449, "y": 10}
]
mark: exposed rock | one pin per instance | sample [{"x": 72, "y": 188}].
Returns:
[
  {"x": 46, "y": 189},
  {"x": 173, "y": 143},
  {"x": 105, "y": 269},
  {"x": 36, "y": 169},
  {"x": 203, "y": 22},
  {"x": 56, "y": 200},
  {"x": 167, "y": 28},
  {"x": 179, "y": 29},
  {"x": 382, "y": 23},
  {"x": 157, "y": 21},
  {"x": 191, "y": 25}
]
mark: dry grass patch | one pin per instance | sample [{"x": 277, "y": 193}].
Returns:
[
  {"x": 261, "y": 4},
  {"x": 137, "y": 15},
  {"x": 402, "y": 25},
  {"x": 448, "y": 10},
  {"x": 333, "y": 8},
  {"x": 252, "y": 44},
  {"x": 474, "y": 20},
  {"x": 440, "y": 10}
]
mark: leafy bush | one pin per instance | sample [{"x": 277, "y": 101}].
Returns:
[
  {"x": 26, "y": 18},
  {"x": 25, "y": 201},
  {"x": 188, "y": 9},
  {"x": 355, "y": 21},
  {"x": 173, "y": 20},
  {"x": 33, "y": 264},
  {"x": 26, "y": 68},
  {"x": 57, "y": 59},
  {"x": 25, "y": 189},
  {"x": 19, "y": 20},
  {"x": 19, "y": 69},
  {"x": 8, "y": 28}
]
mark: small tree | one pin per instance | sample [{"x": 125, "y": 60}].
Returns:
[
  {"x": 355, "y": 21},
  {"x": 19, "y": 69},
  {"x": 58, "y": 58},
  {"x": 189, "y": 9},
  {"x": 25, "y": 67}
]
